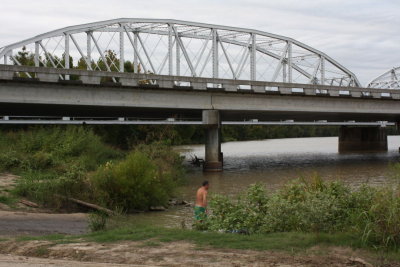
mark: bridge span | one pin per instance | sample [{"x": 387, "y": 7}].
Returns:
[{"x": 155, "y": 71}]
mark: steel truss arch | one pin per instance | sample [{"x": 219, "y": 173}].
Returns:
[
  {"x": 181, "y": 48},
  {"x": 388, "y": 80}
]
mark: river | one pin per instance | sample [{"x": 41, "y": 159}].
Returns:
[{"x": 275, "y": 162}]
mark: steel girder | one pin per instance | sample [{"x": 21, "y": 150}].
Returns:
[
  {"x": 388, "y": 80},
  {"x": 174, "y": 47}
]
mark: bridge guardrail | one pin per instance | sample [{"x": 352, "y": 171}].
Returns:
[{"x": 53, "y": 75}]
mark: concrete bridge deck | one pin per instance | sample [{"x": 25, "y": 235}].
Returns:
[{"x": 156, "y": 96}]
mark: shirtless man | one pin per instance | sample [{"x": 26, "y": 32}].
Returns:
[{"x": 201, "y": 202}]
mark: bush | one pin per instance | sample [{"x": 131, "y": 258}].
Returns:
[
  {"x": 312, "y": 206},
  {"x": 54, "y": 147},
  {"x": 147, "y": 177}
]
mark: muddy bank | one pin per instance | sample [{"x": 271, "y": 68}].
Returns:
[
  {"x": 144, "y": 253},
  {"x": 17, "y": 223}
]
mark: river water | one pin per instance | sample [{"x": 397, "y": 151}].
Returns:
[{"x": 275, "y": 162}]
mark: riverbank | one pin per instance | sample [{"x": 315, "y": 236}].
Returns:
[{"x": 65, "y": 168}]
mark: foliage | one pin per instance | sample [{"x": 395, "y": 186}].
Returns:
[
  {"x": 53, "y": 160},
  {"x": 60, "y": 162},
  {"x": 380, "y": 222},
  {"x": 147, "y": 177},
  {"x": 312, "y": 206}
]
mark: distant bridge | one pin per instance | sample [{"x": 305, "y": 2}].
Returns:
[
  {"x": 151, "y": 71},
  {"x": 388, "y": 80}
]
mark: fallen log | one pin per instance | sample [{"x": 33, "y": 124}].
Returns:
[
  {"x": 89, "y": 205},
  {"x": 29, "y": 203}
]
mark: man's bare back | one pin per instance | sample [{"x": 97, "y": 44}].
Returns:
[
  {"x": 200, "y": 209},
  {"x": 201, "y": 197}
]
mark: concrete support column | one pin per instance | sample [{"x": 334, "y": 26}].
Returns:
[
  {"x": 362, "y": 139},
  {"x": 213, "y": 158}
]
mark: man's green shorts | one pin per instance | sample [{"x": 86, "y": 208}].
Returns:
[{"x": 199, "y": 213}]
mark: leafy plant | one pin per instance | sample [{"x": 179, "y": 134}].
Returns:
[
  {"x": 311, "y": 205},
  {"x": 147, "y": 177}
]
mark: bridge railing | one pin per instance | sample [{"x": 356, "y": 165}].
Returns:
[{"x": 52, "y": 75}]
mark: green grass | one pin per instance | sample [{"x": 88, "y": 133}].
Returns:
[
  {"x": 53, "y": 237},
  {"x": 154, "y": 235},
  {"x": 291, "y": 242},
  {"x": 275, "y": 241}
]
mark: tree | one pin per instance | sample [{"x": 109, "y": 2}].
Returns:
[
  {"x": 24, "y": 57},
  {"x": 111, "y": 60}
]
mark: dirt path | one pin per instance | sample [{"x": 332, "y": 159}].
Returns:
[
  {"x": 13, "y": 223},
  {"x": 181, "y": 253}
]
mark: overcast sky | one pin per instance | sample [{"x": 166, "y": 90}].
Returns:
[{"x": 363, "y": 35}]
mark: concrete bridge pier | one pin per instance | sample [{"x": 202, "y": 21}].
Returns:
[
  {"x": 213, "y": 157},
  {"x": 362, "y": 139}
]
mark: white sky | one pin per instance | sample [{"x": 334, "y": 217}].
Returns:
[{"x": 363, "y": 35}]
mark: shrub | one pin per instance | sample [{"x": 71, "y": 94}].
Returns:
[{"x": 147, "y": 177}]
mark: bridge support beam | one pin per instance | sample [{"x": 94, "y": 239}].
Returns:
[
  {"x": 213, "y": 157},
  {"x": 362, "y": 139}
]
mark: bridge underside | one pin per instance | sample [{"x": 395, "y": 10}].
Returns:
[{"x": 7, "y": 109}]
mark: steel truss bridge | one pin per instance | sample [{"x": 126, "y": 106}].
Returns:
[
  {"x": 212, "y": 60},
  {"x": 388, "y": 80},
  {"x": 180, "y": 48}
]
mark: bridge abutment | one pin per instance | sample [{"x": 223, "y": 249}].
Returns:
[
  {"x": 213, "y": 156},
  {"x": 362, "y": 139}
]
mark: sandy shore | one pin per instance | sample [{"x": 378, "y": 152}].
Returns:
[{"x": 16, "y": 223}]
